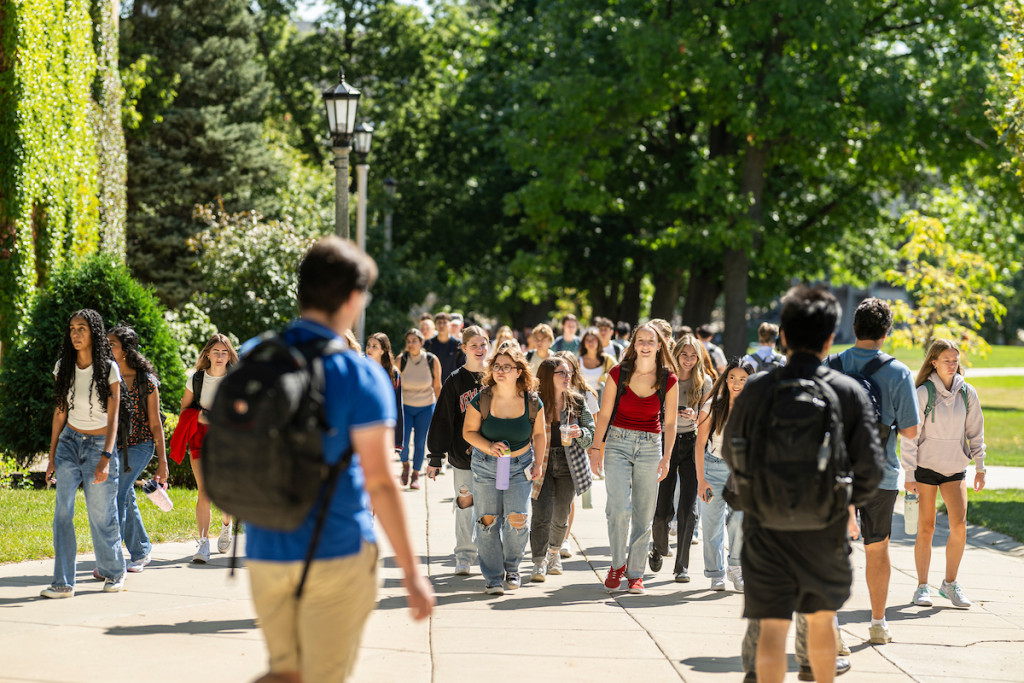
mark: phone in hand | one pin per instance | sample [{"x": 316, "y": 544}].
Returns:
[{"x": 708, "y": 495}]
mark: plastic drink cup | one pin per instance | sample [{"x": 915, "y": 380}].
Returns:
[
  {"x": 565, "y": 430},
  {"x": 910, "y": 514},
  {"x": 158, "y": 494},
  {"x": 504, "y": 468}
]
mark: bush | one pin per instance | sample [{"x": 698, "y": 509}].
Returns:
[{"x": 26, "y": 377}]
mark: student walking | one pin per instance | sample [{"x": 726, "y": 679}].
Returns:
[
  {"x": 83, "y": 451},
  {"x": 595, "y": 364},
  {"x": 568, "y": 341},
  {"x": 447, "y": 348},
  {"x": 543, "y": 337},
  {"x": 501, "y": 423},
  {"x": 631, "y": 448},
  {"x": 145, "y": 438},
  {"x": 421, "y": 385},
  {"x": 952, "y": 435},
  {"x": 378, "y": 347},
  {"x": 718, "y": 519},
  {"x": 765, "y": 357},
  {"x": 210, "y": 369},
  {"x": 570, "y": 432},
  {"x": 445, "y": 438},
  {"x": 694, "y": 390}
]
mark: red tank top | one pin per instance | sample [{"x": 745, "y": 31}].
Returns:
[{"x": 639, "y": 414}]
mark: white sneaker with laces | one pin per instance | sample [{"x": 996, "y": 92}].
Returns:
[
  {"x": 224, "y": 540},
  {"x": 202, "y": 555},
  {"x": 540, "y": 571},
  {"x": 718, "y": 584},
  {"x": 462, "y": 569},
  {"x": 58, "y": 592},
  {"x": 137, "y": 566},
  {"x": 114, "y": 585},
  {"x": 554, "y": 562},
  {"x": 922, "y": 596},
  {"x": 565, "y": 551},
  {"x": 736, "y": 576},
  {"x": 672, "y": 528},
  {"x": 955, "y": 594},
  {"x": 879, "y": 634}
]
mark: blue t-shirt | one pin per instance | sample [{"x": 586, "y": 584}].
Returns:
[
  {"x": 899, "y": 404},
  {"x": 359, "y": 395}
]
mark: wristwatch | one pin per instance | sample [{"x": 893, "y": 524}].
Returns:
[{"x": 108, "y": 454}]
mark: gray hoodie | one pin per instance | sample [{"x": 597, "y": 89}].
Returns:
[{"x": 950, "y": 437}]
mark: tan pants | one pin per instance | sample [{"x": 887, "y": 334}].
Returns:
[{"x": 318, "y": 635}]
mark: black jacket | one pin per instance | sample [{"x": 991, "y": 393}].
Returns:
[
  {"x": 859, "y": 429},
  {"x": 445, "y": 435}
]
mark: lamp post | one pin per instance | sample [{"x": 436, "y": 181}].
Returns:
[
  {"x": 362, "y": 136},
  {"x": 341, "y": 102},
  {"x": 390, "y": 186}
]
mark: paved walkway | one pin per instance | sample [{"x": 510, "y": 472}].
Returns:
[{"x": 182, "y": 622}]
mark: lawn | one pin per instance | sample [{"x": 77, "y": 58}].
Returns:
[
  {"x": 1002, "y": 401},
  {"x": 1001, "y": 357},
  {"x": 997, "y": 509},
  {"x": 28, "y": 532}
]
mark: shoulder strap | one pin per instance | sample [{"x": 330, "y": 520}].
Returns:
[
  {"x": 485, "y": 403},
  {"x": 835, "y": 362},
  {"x": 533, "y": 405},
  {"x": 620, "y": 390},
  {"x": 403, "y": 358},
  {"x": 876, "y": 364},
  {"x": 929, "y": 408},
  {"x": 662, "y": 392},
  {"x": 197, "y": 388},
  {"x": 530, "y": 354},
  {"x": 430, "y": 364}
]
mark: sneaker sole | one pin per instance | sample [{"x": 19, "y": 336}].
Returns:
[
  {"x": 634, "y": 591},
  {"x": 538, "y": 578},
  {"x": 967, "y": 606},
  {"x": 119, "y": 589},
  {"x": 57, "y": 596},
  {"x": 682, "y": 579},
  {"x": 565, "y": 554},
  {"x": 461, "y": 572},
  {"x": 199, "y": 560},
  {"x": 554, "y": 572}
]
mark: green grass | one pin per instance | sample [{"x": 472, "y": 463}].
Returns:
[
  {"x": 998, "y": 510},
  {"x": 27, "y": 533},
  {"x": 1001, "y": 357},
  {"x": 1002, "y": 400}
]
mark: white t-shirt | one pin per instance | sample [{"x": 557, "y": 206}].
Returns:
[
  {"x": 592, "y": 403},
  {"x": 210, "y": 386},
  {"x": 715, "y": 441},
  {"x": 592, "y": 375},
  {"x": 85, "y": 412}
]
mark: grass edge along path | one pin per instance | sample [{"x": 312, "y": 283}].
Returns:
[{"x": 997, "y": 509}]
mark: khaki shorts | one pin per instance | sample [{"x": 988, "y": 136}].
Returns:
[{"x": 318, "y": 635}]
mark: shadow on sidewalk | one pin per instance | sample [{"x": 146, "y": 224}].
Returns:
[
  {"x": 726, "y": 665},
  {"x": 227, "y": 626}
]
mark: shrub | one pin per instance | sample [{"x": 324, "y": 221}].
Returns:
[{"x": 26, "y": 377}]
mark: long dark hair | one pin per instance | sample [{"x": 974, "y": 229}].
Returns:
[
  {"x": 546, "y": 387},
  {"x": 720, "y": 394},
  {"x": 386, "y": 359},
  {"x": 130, "y": 345},
  {"x": 101, "y": 358}
]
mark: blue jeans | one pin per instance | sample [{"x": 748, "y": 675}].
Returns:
[
  {"x": 129, "y": 519},
  {"x": 716, "y": 519},
  {"x": 631, "y": 480},
  {"x": 75, "y": 460},
  {"x": 418, "y": 419},
  {"x": 499, "y": 544}
]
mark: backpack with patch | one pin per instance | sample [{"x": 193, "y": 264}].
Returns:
[
  {"x": 929, "y": 408},
  {"x": 620, "y": 391},
  {"x": 767, "y": 364},
  {"x": 533, "y": 404},
  {"x": 793, "y": 474},
  {"x": 403, "y": 358},
  {"x": 863, "y": 377}
]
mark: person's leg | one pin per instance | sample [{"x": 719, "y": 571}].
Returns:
[
  {"x": 734, "y": 526},
  {"x": 713, "y": 517},
  {"x": 133, "y": 532},
  {"x": 821, "y": 645},
  {"x": 644, "y": 488},
  {"x": 101, "y": 503},
  {"x": 954, "y": 495},
  {"x": 801, "y": 640},
  {"x": 618, "y": 468},
  {"x": 516, "y": 506},
  {"x": 273, "y": 597},
  {"x": 421, "y": 428},
  {"x": 541, "y": 515},
  {"x": 202, "y": 500},
  {"x": 465, "y": 545},
  {"x": 564, "y": 492},
  {"x": 487, "y": 504},
  {"x": 69, "y": 477},
  {"x": 408, "y": 413},
  {"x": 771, "y": 651},
  {"x": 686, "y": 512},
  {"x": 748, "y": 649},
  {"x": 878, "y": 570},
  {"x": 925, "y": 530},
  {"x": 663, "y": 508}
]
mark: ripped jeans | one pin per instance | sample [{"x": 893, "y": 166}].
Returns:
[{"x": 501, "y": 543}]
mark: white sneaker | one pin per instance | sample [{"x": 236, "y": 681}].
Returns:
[
  {"x": 202, "y": 555},
  {"x": 540, "y": 571},
  {"x": 137, "y": 566},
  {"x": 554, "y": 561},
  {"x": 672, "y": 527},
  {"x": 718, "y": 584},
  {"x": 735, "y": 575},
  {"x": 564, "y": 551},
  {"x": 922, "y": 596},
  {"x": 879, "y": 634},
  {"x": 224, "y": 540},
  {"x": 462, "y": 569},
  {"x": 955, "y": 594},
  {"x": 114, "y": 585},
  {"x": 58, "y": 592},
  {"x": 696, "y": 534}
]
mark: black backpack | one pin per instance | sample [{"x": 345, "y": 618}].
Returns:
[
  {"x": 870, "y": 387},
  {"x": 793, "y": 474},
  {"x": 263, "y": 458},
  {"x": 767, "y": 364}
]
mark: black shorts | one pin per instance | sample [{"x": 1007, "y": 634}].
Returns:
[
  {"x": 876, "y": 516},
  {"x": 786, "y": 572},
  {"x": 923, "y": 475}
]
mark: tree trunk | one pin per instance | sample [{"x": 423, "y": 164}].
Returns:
[
  {"x": 701, "y": 293},
  {"x": 737, "y": 260},
  {"x": 666, "y": 294},
  {"x": 629, "y": 310}
]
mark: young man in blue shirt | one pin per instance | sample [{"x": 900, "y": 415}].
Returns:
[{"x": 316, "y": 637}]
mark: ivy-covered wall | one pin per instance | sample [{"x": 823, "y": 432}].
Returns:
[{"x": 58, "y": 112}]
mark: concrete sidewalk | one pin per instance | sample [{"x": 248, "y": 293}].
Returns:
[{"x": 182, "y": 622}]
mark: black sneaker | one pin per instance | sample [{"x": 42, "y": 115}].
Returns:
[
  {"x": 842, "y": 666},
  {"x": 512, "y": 581},
  {"x": 654, "y": 559}
]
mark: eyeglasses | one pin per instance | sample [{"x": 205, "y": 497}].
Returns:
[
  {"x": 504, "y": 369},
  {"x": 564, "y": 373}
]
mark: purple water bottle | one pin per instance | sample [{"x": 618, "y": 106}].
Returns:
[{"x": 504, "y": 467}]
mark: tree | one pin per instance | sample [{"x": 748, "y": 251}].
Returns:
[{"x": 953, "y": 290}]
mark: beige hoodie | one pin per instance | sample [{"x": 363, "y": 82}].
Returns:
[{"x": 946, "y": 441}]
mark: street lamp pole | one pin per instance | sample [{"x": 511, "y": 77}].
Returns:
[
  {"x": 341, "y": 102},
  {"x": 390, "y": 186},
  {"x": 362, "y": 136}
]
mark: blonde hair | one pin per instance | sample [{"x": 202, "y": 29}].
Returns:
[
  {"x": 934, "y": 351},
  {"x": 665, "y": 328},
  {"x": 697, "y": 375},
  {"x": 767, "y": 333},
  {"x": 579, "y": 382},
  {"x": 525, "y": 382},
  {"x": 543, "y": 331},
  {"x": 203, "y": 363}
]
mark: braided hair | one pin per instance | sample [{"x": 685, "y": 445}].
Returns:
[{"x": 101, "y": 359}]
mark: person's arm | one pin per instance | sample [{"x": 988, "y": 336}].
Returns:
[
  {"x": 400, "y": 422},
  {"x": 596, "y": 453},
  {"x": 471, "y": 433},
  {"x": 437, "y": 377},
  {"x": 60, "y": 418},
  {"x": 156, "y": 428},
  {"x": 906, "y": 406},
  {"x": 703, "y": 432},
  {"x": 375, "y": 446},
  {"x": 974, "y": 430},
  {"x": 187, "y": 397},
  {"x": 668, "y": 435},
  {"x": 908, "y": 454},
  {"x": 585, "y": 426},
  {"x": 540, "y": 446},
  {"x": 110, "y": 440},
  {"x": 442, "y": 423}
]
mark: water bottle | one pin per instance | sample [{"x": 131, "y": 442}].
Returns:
[
  {"x": 504, "y": 467},
  {"x": 910, "y": 514},
  {"x": 157, "y": 494}
]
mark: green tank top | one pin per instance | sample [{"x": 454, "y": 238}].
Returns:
[{"x": 515, "y": 430}]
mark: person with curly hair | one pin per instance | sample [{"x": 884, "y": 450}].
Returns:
[{"x": 83, "y": 451}]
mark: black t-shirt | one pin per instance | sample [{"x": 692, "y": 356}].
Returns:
[{"x": 449, "y": 354}]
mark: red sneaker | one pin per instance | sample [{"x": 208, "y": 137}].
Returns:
[
  {"x": 614, "y": 578},
  {"x": 637, "y": 586}
]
